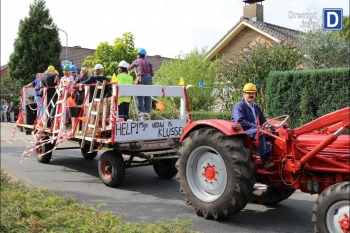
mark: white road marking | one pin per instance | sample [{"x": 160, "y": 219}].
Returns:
[
  {"x": 25, "y": 140},
  {"x": 7, "y": 140}
]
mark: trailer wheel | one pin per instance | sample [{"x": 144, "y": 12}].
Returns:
[
  {"x": 216, "y": 173},
  {"x": 331, "y": 210},
  {"x": 271, "y": 195},
  {"x": 41, "y": 150},
  {"x": 86, "y": 149},
  {"x": 165, "y": 168},
  {"x": 111, "y": 168}
]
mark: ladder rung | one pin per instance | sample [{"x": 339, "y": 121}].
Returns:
[
  {"x": 97, "y": 100},
  {"x": 88, "y": 139},
  {"x": 99, "y": 87},
  {"x": 93, "y": 113},
  {"x": 60, "y": 102},
  {"x": 91, "y": 126},
  {"x": 58, "y": 115}
]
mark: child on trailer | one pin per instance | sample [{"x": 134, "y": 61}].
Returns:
[{"x": 67, "y": 81}]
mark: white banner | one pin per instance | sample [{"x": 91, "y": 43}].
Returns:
[{"x": 152, "y": 129}]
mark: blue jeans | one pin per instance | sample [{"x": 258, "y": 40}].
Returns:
[
  {"x": 264, "y": 149},
  {"x": 143, "y": 103},
  {"x": 39, "y": 110},
  {"x": 8, "y": 117}
]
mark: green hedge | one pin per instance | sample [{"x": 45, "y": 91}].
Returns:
[
  {"x": 195, "y": 115},
  {"x": 307, "y": 95}
]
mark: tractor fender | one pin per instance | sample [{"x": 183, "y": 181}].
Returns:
[{"x": 228, "y": 128}]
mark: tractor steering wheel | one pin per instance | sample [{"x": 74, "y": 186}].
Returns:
[{"x": 284, "y": 117}]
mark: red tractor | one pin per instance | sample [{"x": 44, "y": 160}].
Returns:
[{"x": 218, "y": 167}]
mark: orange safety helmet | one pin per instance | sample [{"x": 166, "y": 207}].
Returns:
[{"x": 249, "y": 87}]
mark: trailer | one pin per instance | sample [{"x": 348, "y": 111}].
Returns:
[{"x": 97, "y": 125}]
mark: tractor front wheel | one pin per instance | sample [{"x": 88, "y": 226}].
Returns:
[
  {"x": 331, "y": 211},
  {"x": 271, "y": 195},
  {"x": 216, "y": 173},
  {"x": 111, "y": 168}
]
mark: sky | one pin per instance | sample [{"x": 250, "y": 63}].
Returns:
[{"x": 162, "y": 27}]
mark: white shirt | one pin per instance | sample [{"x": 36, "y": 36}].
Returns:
[{"x": 253, "y": 110}]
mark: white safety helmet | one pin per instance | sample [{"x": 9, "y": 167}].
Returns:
[
  {"x": 98, "y": 67},
  {"x": 123, "y": 64}
]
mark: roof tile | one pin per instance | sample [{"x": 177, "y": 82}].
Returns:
[{"x": 77, "y": 55}]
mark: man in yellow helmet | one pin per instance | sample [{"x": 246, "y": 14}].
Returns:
[{"x": 245, "y": 112}]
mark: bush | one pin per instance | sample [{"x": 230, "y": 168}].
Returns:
[
  {"x": 253, "y": 64},
  {"x": 200, "y": 115},
  {"x": 307, "y": 95},
  {"x": 38, "y": 210},
  {"x": 194, "y": 70}
]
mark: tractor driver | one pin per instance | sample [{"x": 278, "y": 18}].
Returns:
[{"x": 244, "y": 112}]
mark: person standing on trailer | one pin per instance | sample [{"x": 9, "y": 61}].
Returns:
[
  {"x": 50, "y": 80},
  {"x": 67, "y": 80},
  {"x": 85, "y": 73},
  {"x": 98, "y": 76},
  {"x": 144, "y": 74},
  {"x": 123, "y": 78},
  {"x": 73, "y": 72},
  {"x": 37, "y": 93}
]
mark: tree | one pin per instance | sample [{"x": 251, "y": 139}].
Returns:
[
  {"x": 110, "y": 55},
  {"x": 253, "y": 64},
  {"x": 195, "y": 71},
  {"x": 10, "y": 90},
  {"x": 345, "y": 33},
  {"x": 322, "y": 49},
  {"x": 35, "y": 48}
]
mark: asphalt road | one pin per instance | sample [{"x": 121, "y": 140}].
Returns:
[{"x": 143, "y": 196}]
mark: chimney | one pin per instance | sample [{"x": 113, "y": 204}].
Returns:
[{"x": 254, "y": 10}]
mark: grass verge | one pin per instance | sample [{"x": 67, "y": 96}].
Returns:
[{"x": 25, "y": 209}]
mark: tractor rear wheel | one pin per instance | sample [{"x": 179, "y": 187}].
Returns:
[
  {"x": 165, "y": 168},
  {"x": 111, "y": 168},
  {"x": 271, "y": 195},
  {"x": 216, "y": 173},
  {"x": 331, "y": 211}
]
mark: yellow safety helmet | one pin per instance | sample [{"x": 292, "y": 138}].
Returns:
[
  {"x": 249, "y": 87},
  {"x": 51, "y": 68},
  {"x": 57, "y": 72}
]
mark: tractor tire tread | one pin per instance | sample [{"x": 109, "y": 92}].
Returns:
[{"x": 240, "y": 169}]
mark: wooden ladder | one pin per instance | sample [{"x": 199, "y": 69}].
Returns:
[
  {"x": 94, "y": 116},
  {"x": 61, "y": 117}
]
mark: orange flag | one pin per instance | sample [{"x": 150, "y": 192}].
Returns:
[
  {"x": 160, "y": 106},
  {"x": 70, "y": 102},
  {"x": 85, "y": 119}
]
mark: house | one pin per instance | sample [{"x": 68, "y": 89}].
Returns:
[
  {"x": 248, "y": 30},
  {"x": 77, "y": 54},
  {"x": 4, "y": 70}
]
